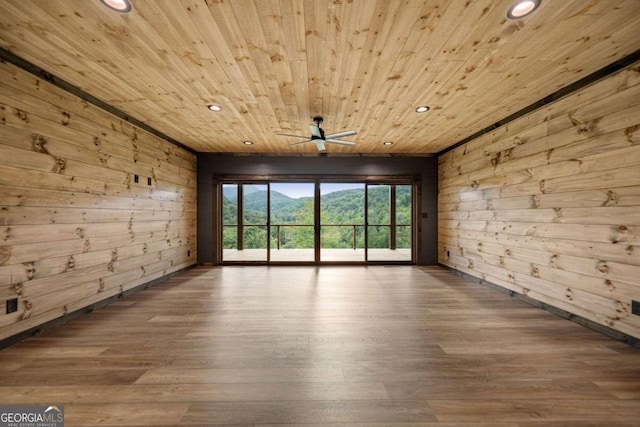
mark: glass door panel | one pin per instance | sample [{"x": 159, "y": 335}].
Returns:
[
  {"x": 378, "y": 222},
  {"x": 389, "y": 227},
  {"x": 342, "y": 222},
  {"x": 244, "y": 222},
  {"x": 255, "y": 215},
  {"x": 403, "y": 214},
  {"x": 229, "y": 221},
  {"x": 292, "y": 222}
]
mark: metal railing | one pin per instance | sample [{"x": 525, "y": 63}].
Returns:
[{"x": 354, "y": 228}]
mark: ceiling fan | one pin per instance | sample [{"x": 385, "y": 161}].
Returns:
[{"x": 319, "y": 138}]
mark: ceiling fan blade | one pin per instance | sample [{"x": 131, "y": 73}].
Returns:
[
  {"x": 341, "y": 134},
  {"x": 301, "y": 142},
  {"x": 295, "y": 136},
  {"x": 315, "y": 131},
  {"x": 340, "y": 142},
  {"x": 320, "y": 144}
]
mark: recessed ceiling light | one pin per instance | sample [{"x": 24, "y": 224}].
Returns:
[
  {"x": 522, "y": 8},
  {"x": 247, "y": 143},
  {"x": 214, "y": 107},
  {"x": 422, "y": 109},
  {"x": 123, "y": 6},
  {"x": 387, "y": 143}
]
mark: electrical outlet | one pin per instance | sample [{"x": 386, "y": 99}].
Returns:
[
  {"x": 12, "y": 305},
  {"x": 635, "y": 307}
]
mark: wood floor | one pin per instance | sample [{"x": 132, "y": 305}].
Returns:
[{"x": 265, "y": 346}]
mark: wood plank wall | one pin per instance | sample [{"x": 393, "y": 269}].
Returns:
[
  {"x": 75, "y": 227},
  {"x": 549, "y": 205}
]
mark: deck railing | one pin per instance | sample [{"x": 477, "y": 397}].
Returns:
[{"x": 354, "y": 228}]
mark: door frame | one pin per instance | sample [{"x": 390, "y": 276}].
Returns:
[{"x": 220, "y": 180}]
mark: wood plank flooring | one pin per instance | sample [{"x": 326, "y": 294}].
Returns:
[{"x": 306, "y": 346}]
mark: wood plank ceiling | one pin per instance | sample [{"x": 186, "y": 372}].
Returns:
[{"x": 362, "y": 64}]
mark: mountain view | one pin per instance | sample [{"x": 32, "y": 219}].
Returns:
[{"x": 340, "y": 210}]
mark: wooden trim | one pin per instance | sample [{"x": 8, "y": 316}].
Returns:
[
  {"x": 612, "y": 333},
  {"x": 36, "y": 330},
  {"x": 311, "y": 154}
]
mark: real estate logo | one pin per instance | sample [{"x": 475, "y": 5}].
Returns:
[{"x": 31, "y": 416}]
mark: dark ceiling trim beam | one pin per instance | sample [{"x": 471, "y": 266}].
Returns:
[
  {"x": 573, "y": 87},
  {"x": 10, "y": 57},
  {"x": 312, "y": 154}
]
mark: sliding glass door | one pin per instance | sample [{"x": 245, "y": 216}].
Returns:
[
  {"x": 245, "y": 222},
  {"x": 342, "y": 222},
  {"x": 389, "y": 234},
  {"x": 316, "y": 222},
  {"x": 292, "y": 222}
]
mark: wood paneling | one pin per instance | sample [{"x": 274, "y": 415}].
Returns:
[
  {"x": 362, "y": 64},
  {"x": 337, "y": 346},
  {"x": 549, "y": 205},
  {"x": 75, "y": 227}
]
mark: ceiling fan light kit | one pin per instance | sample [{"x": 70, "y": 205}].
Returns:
[{"x": 319, "y": 138}]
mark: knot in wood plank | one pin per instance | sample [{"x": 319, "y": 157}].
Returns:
[
  {"x": 66, "y": 118},
  {"x": 535, "y": 272},
  {"x": 71, "y": 263},
  {"x": 27, "y": 309},
  {"x": 22, "y": 115},
  {"x": 629, "y": 133},
  {"x": 30, "y": 270},
  {"x": 80, "y": 232},
  {"x": 610, "y": 285},
  {"x": 602, "y": 267},
  {"x": 60, "y": 165},
  {"x": 18, "y": 289},
  {"x": 569, "y": 294},
  {"x": 38, "y": 143},
  {"x": 612, "y": 199},
  {"x": 5, "y": 254}
]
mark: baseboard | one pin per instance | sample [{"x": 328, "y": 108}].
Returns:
[
  {"x": 36, "y": 330},
  {"x": 605, "y": 330}
]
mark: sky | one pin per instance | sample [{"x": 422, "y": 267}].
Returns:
[{"x": 297, "y": 190}]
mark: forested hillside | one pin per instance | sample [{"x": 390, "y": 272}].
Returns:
[{"x": 340, "y": 211}]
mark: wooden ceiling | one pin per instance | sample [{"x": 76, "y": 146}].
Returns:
[{"x": 362, "y": 64}]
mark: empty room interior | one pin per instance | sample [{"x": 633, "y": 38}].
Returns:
[{"x": 312, "y": 212}]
